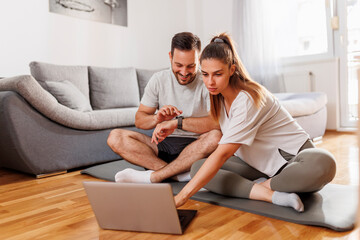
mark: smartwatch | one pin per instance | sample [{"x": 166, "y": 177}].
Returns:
[{"x": 180, "y": 120}]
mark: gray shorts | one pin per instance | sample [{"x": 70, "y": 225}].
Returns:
[{"x": 171, "y": 147}]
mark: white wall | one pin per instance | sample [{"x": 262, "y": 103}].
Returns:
[
  {"x": 212, "y": 17},
  {"x": 30, "y": 32}
]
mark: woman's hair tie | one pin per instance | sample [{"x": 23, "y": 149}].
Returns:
[{"x": 219, "y": 40}]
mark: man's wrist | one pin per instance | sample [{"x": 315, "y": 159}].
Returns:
[{"x": 180, "y": 122}]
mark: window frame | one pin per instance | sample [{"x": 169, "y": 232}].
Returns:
[{"x": 345, "y": 124}]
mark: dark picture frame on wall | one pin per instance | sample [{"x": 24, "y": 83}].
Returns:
[{"x": 106, "y": 11}]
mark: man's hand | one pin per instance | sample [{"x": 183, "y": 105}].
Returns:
[
  {"x": 167, "y": 113},
  {"x": 163, "y": 130}
]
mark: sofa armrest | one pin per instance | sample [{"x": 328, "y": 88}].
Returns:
[{"x": 32, "y": 143}]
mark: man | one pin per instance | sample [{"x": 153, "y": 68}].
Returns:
[{"x": 182, "y": 102}]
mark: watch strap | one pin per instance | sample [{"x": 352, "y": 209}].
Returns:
[{"x": 180, "y": 121}]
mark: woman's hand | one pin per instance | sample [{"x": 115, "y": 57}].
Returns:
[
  {"x": 163, "y": 130},
  {"x": 179, "y": 201},
  {"x": 206, "y": 172}
]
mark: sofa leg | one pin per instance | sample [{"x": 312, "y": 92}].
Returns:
[
  {"x": 50, "y": 174},
  {"x": 317, "y": 140}
]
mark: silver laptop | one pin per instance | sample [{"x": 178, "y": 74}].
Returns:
[{"x": 137, "y": 207}]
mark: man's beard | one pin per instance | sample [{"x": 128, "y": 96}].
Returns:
[{"x": 192, "y": 77}]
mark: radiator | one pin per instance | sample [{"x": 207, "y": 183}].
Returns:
[{"x": 301, "y": 81}]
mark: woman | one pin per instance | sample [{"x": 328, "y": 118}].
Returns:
[{"x": 274, "y": 158}]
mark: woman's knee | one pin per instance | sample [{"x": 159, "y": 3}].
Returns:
[
  {"x": 310, "y": 172},
  {"x": 322, "y": 170},
  {"x": 327, "y": 165}
]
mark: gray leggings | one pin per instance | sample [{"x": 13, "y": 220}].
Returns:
[{"x": 308, "y": 171}]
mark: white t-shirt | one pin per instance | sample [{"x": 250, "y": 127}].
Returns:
[
  {"x": 262, "y": 132},
  {"x": 164, "y": 89}
]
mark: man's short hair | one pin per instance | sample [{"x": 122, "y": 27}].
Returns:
[{"x": 185, "y": 41}]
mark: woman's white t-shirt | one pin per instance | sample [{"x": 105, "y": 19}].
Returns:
[{"x": 262, "y": 132}]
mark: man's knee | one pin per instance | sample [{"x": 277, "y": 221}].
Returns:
[
  {"x": 210, "y": 140},
  {"x": 214, "y": 135},
  {"x": 115, "y": 138},
  {"x": 111, "y": 140}
]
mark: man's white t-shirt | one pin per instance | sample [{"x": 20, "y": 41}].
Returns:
[
  {"x": 262, "y": 132},
  {"x": 164, "y": 89}
]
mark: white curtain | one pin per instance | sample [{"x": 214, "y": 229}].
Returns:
[{"x": 255, "y": 31}]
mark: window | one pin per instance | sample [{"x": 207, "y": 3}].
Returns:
[
  {"x": 311, "y": 27},
  {"x": 304, "y": 28}
]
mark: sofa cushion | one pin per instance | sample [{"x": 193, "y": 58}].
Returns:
[
  {"x": 143, "y": 77},
  {"x": 302, "y": 104},
  {"x": 113, "y": 87},
  {"x": 78, "y": 75},
  {"x": 67, "y": 94}
]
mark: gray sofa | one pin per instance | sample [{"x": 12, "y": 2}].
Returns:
[
  {"x": 59, "y": 118},
  {"x": 50, "y": 126}
]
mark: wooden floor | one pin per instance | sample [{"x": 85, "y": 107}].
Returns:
[{"x": 57, "y": 208}]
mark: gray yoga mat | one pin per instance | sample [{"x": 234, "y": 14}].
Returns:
[{"x": 334, "y": 207}]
